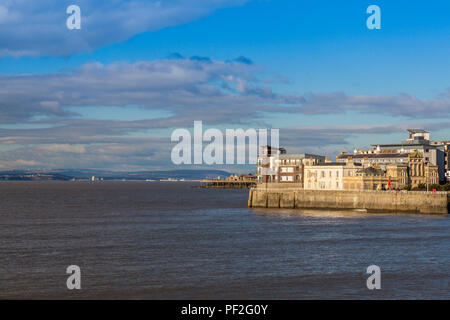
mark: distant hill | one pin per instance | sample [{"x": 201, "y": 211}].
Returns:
[
  {"x": 69, "y": 174},
  {"x": 31, "y": 176}
]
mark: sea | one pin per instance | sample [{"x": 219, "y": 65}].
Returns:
[{"x": 171, "y": 240}]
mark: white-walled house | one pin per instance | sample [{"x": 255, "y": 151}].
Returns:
[{"x": 328, "y": 176}]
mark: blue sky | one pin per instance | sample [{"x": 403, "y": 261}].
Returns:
[{"x": 109, "y": 95}]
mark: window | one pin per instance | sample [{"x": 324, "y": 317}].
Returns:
[
  {"x": 287, "y": 178},
  {"x": 322, "y": 174}
]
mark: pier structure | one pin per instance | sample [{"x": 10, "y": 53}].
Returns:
[
  {"x": 224, "y": 184},
  {"x": 421, "y": 202}
]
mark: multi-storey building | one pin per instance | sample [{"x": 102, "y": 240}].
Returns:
[
  {"x": 433, "y": 152},
  {"x": 420, "y": 171},
  {"x": 370, "y": 178},
  {"x": 375, "y": 178},
  {"x": 394, "y": 176},
  {"x": 275, "y": 165},
  {"x": 447, "y": 160},
  {"x": 367, "y": 159},
  {"x": 291, "y": 166},
  {"x": 266, "y": 167},
  {"x": 417, "y": 160},
  {"x": 328, "y": 176},
  {"x": 398, "y": 173}
]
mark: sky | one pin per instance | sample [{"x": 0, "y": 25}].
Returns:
[{"x": 109, "y": 95}]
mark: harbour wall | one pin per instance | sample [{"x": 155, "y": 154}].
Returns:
[{"x": 372, "y": 201}]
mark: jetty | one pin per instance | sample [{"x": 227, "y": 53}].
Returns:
[{"x": 225, "y": 184}]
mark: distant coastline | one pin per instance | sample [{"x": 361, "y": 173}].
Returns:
[{"x": 89, "y": 175}]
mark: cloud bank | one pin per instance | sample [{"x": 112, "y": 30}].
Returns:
[
  {"x": 37, "y": 28},
  {"x": 39, "y": 127},
  {"x": 190, "y": 88}
]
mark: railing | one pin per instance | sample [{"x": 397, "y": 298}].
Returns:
[{"x": 345, "y": 190}]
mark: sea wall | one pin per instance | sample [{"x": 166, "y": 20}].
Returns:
[{"x": 372, "y": 201}]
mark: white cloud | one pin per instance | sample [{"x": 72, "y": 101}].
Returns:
[
  {"x": 186, "y": 88},
  {"x": 36, "y": 28},
  {"x": 64, "y": 148},
  {"x": 218, "y": 92},
  {"x": 189, "y": 89}
]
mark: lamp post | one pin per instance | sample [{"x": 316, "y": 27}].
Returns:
[{"x": 427, "y": 173}]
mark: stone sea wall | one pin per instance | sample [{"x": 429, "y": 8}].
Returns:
[{"x": 372, "y": 201}]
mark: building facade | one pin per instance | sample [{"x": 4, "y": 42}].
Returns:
[
  {"x": 370, "y": 178},
  {"x": 266, "y": 168},
  {"x": 291, "y": 166},
  {"x": 274, "y": 165},
  {"x": 328, "y": 176},
  {"x": 416, "y": 161},
  {"x": 433, "y": 152},
  {"x": 420, "y": 171},
  {"x": 447, "y": 160}
]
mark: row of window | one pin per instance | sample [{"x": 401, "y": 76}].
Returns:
[
  {"x": 323, "y": 185},
  {"x": 287, "y": 161},
  {"x": 287, "y": 178},
  {"x": 322, "y": 173}
]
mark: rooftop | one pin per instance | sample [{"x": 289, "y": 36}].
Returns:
[
  {"x": 406, "y": 143},
  {"x": 371, "y": 171},
  {"x": 299, "y": 156},
  {"x": 372, "y": 155},
  {"x": 331, "y": 164},
  {"x": 417, "y": 131}
]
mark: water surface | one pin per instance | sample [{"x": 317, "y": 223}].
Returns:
[{"x": 166, "y": 240}]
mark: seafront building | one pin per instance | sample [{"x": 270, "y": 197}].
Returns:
[
  {"x": 433, "y": 152},
  {"x": 328, "y": 175},
  {"x": 275, "y": 165},
  {"x": 266, "y": 168},
  {"x": 290, "y": 167},
  {"x": 374, "y": 178},
  {"x": 416, "y": 161},
  {"x": 447, "y": 160}
]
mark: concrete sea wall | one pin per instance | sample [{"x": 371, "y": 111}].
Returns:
[{"x": 372, "y": 201}]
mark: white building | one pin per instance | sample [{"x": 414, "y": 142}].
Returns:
[
  {"x": 328, "y": 176},
  {"x": 266, "y": 166}
]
